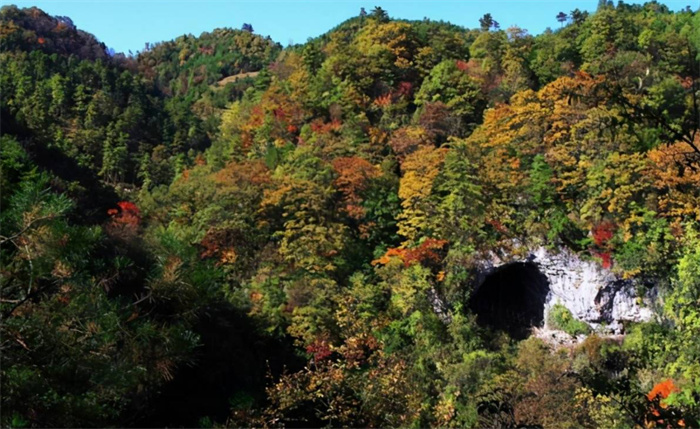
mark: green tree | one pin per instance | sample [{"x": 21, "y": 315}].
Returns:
[{"x": 448, "y": 84}]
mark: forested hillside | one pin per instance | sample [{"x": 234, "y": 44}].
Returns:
[{"x": 222, "y": 232}]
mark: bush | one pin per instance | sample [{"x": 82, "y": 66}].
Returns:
[{"x": 561, "y": 318}]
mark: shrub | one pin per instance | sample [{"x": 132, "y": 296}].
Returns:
[{"x": 560, "y": 317}]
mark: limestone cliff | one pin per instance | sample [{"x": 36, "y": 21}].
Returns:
[{"x": 593, "y": 294}]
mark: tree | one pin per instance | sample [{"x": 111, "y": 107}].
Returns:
[
  {"x": 313, "y": 57},
  {"x": 562, "y": 17},
  {"x": 682, "y": 309},
  {"x": 578, "y": 16},
  {"x": 419, "y": 172},
  {"x": 486, "y": 22},
  {"x": 380, "y": 14},
  {"x": 450, "y": 85},
  {"x": 114, "y": 156},
  {"x": 487, "y": 52},
  {"x": 78, "y": 356},
  {"x": 460, "y": 209},
  {"x": 247, "y": 28},
  {"x": 354, "y": 175}
]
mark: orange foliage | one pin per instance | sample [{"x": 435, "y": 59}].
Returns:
[
  {"x": 251, "y": 172},
  {"x": 200, "y": 160},
  {"x": 382, "y": 100},
  {"x": 125, "y": 219},
  {"x": 126, "y": 214},
  {"x": 404, "y": 89},
  {"x": 257, "y": 117},
  {"x": 662, "y": 390},
  {"x": 677, "y": 181},
  {"x": 318, "y": 126},
  {"x": 353, "y": 176},
  {"x": 660, "y": 415},
  {"x": 219, "y": 244},
  {"x": 391, "y": 253},
  {"x": 428, "y": 252}
]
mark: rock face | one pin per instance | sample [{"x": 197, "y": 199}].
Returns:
[{"x": 593, "y": 294}]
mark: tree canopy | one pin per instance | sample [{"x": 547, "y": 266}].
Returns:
[{"x": 222, "y": 232}]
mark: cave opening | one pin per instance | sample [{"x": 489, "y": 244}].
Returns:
[{"x": 511, "y": 299}]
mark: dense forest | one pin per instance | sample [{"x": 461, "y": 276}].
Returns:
[{"x": 220, "y": 231}]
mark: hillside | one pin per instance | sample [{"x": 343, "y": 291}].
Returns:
[{"x": 397, "y": 223}]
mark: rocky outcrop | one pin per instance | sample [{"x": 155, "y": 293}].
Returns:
[{"x": 592, "y": 293}]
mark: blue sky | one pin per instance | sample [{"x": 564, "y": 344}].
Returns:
[{"x": 127, "y": 24}]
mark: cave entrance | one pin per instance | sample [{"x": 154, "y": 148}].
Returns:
[{"x": 511, "y": 299}]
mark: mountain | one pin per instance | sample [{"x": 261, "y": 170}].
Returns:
[{"x": 397, "y": 223}]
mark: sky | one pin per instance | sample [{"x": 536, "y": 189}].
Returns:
[{"x": 126, "y": 25}]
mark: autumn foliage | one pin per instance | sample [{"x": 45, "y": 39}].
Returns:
[
  {"x": 309, "y": 226},
  {"x": 602, "y": 233},
  {"x": 660, "y": 414},
  {"x": 662, "y": 390},
  {"x": 427, "y": 253},
  {"x": 319, "y": 349},
  {"x": 126, "y": 218},
  {"x": 354, "y": 175}
]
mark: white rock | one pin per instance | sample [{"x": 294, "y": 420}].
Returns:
[{"x": 592, "y": 293}]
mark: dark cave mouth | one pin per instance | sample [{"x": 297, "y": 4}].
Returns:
[{"x": 511, "y": 299}]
